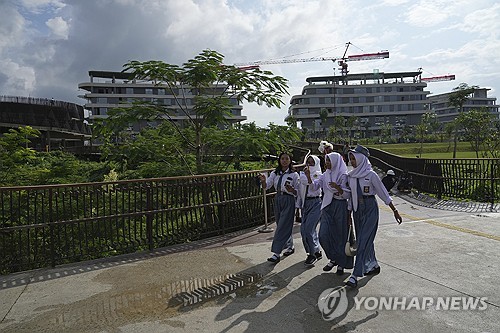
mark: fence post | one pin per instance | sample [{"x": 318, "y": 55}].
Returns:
[
  {"x": 51, "y": 230},
  {"x": 149, "y": 215},
  {"x": 492, "y": 185},
  {"x": 265, "y": 228}
]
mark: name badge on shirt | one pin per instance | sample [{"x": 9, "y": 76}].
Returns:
[{"x": 366, "y": 189}]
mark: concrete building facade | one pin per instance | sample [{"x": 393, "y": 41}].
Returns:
[
  {"x": 106, "y": 90},
  {"x": 61, "y": 124},
  {"x": 477, "y": 100},
  {"x": 378, "y": 101}
]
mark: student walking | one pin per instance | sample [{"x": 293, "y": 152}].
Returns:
[
  {"x": 285, "y": 181},
  {"x": 310, "y": 204},
  {"x": 334, "y": 228},
  {"x": 389, "y": 180},
  {"x": 365, "y": 184}
]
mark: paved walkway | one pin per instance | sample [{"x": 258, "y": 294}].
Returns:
[{"x": 436, "y": 263}]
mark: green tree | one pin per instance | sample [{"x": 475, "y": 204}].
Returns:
[
  {"x": 338, "y": 125},
  {"x": 449, "y": 129},
  {"x": 323, "y": 115},
  {"x": 213, "y": 83},
  {"x": 477, "y": 127},
  {"x": 351, "y": 123},
  {"x": 492, "y": 142},
  {"x": 15, "y": 156},
  {"x": 457, "y": 99},
  {"x": 385, "y": 132},
  {"x": 428, "y": 123}
]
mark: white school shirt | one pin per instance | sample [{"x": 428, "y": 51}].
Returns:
[
  {"x": 291, "y": 177},
  {"x": 311, "y": 192},
  {"x": 372, "y": 185},
  {"x": 324, "y": 182}
]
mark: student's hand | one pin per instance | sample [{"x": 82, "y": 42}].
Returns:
[
  {"x": 398, "y": 217},
  {"x": 290, "y": 188},
  {"x": 334, "y": 185},
  {"x": 262, "y": 179}
]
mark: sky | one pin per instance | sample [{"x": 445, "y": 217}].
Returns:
[{"x": 47, "y": 47}]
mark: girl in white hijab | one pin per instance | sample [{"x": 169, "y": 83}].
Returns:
[
  {"x": 334, "y": 226},
  {"x": 364, "y": 184},
  {"x": 309, "y": 201}
]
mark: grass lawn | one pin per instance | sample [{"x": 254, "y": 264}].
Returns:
[{"x": 429, "y": 150}]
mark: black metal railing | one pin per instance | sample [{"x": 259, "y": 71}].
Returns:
[
  {"x": 43, "y": 226},
  {"x": 476, "y": 179}
]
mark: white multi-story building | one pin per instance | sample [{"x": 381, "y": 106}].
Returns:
[
  {"x": 107, "y": 90},
  {"x": 375, "y": 99},
  {"x": 477, "y": 100}
]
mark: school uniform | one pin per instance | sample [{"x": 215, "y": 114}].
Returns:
[
  {"x": 365, "y": 184},
  {"x": 309, "y": 201},
  {"x": 284, "y": 208},
  {"x": 334, "y": 230}
]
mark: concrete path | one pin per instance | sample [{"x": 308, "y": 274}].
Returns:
[{"x": 434, "y": 265}]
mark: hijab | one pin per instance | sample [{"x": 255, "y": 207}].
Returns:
[
  {"x": 337, "y": 169},
  {"x": 362, "y": 169},
  {"x": 315, "y": 173}
]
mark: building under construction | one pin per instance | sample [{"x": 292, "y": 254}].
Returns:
[{"x": 62, "y": 125}]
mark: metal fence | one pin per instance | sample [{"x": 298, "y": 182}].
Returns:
[
  {"x": 476, "y": 179},
  {"x": 43, "y": 226}
]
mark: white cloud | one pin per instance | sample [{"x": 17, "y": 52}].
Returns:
[
  {"x": 59, "y": 27},
  {"x": 427, "y": 14},
  {"x": 37, "y": 5},
  {"x": 12, "y": 26},
  {"x": 20, "y": 80},
  {"x": 485, "y": 22}
]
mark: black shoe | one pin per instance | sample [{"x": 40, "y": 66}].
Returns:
[
  {"x": 310, "y": 261},
  {"x": 274, "y": 259},
  {"x": 289, "y": 252},
  {"x": 352, "y": 283},
  {"x": 374, "y": 271},
  {"x": 340, "y": 271},
  {"x": 318, "y": 255},
  {"x": 329, "y": 266}
]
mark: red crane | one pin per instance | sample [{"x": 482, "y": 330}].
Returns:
[
  {"x": 438, "y": 78},
  {"x": 342, "y": 61}
]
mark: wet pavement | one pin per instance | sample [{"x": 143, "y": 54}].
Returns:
[{"x": 225, "y": 284}]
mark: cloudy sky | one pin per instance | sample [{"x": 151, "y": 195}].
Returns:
[{"x": 47, "y": 47}]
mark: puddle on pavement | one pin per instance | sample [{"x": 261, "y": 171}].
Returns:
[
  {"x": 241, "y": 285},
  {"x": 116, "y": 308}
]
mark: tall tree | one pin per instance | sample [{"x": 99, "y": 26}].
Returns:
[
  {"x": 457, "y": 99},
  {"x": 351, "y": 122},
  {"x": 477, "y": 127},
  {"x": 323, "y": 115},
  {"x": 213, "y": 83}
]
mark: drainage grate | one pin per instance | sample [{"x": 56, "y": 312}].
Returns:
[{"x": 214, "y": 288}]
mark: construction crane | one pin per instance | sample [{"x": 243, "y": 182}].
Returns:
[
  {"x": 449, "y": 77},
  {"x": 342, "y": 61}
]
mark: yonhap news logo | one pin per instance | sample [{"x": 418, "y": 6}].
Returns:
[
  {"x": 333, "y": 303},
  {"x": 453, "y": 303}
]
